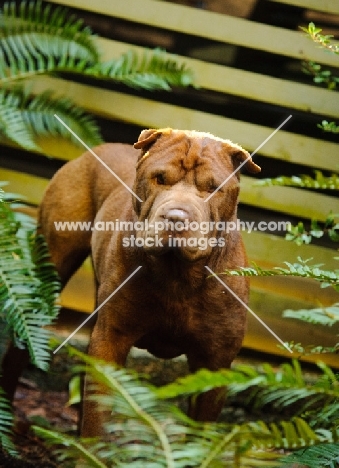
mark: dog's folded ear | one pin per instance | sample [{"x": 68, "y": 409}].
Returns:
[
  {"x": 239, "y": 156},
  {"x": 146, "y": 138},
  {"x": 242, "y": 156}
]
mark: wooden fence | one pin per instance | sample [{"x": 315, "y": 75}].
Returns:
[{"x": 248, "y": 79}]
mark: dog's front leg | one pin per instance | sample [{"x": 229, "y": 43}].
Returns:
[
  {"x": 109, "y": 344},
  {"x": 208, "y": 405}
]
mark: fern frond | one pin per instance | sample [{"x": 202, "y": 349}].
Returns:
[
  {"x": 302, "y": 269},
  {"x": 319, "y": 181},
  {"x": 72, "y": 449},
  {"x": 327, "y": 418},
  {"x": 280, "y": 388},
  {"x": 320, "y": 315},
  {"x": 36, "y": 38},
  {"x": 144, "y": 430},
  {"x": 319, "y": 456},
  {"x": 40, "y": 116},
  {"x": 289, "y": 435},
  {"x": 147, "y": 431},
  {"x": 6, "y": 423},
  {"x": 12, "y": 123},
  {"x": 155, "y": 69},
  {"x": 24, "y": 117},
  {"x": 29, "y": 287}
]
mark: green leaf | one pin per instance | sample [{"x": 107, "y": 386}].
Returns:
[
  {"x": 319, "y": 456},
  {"x": 321, "y": 315},
  {"x": 74, "y": 390},
  {"x": 302, "y": 269},
  {"x": 6, "y": 424},
  {"x": 26, "y": 117}
]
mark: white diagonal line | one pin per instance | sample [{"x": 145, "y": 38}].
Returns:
[
  {"x": 97, "y": 309},
  {"x": 250, "y": 310},
  {"x": 245, "y": 161},
  {"x": 97, "y": 157}
]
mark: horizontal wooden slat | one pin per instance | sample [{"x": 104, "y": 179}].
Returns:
[
  {"x": 30, "y": 187},
  {"x": 211, "y": 25},
  {"x": 326, "y": 6},
  {"x": 289, "y": 200},
  {"x": 269, "y": 308},
  {"x": 247, "y": 84},
  {"x": 284, "y": 145}
]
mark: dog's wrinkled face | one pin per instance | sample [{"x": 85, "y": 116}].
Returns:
[{"x": 176, "y": 172}]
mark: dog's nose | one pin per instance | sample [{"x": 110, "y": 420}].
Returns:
[{"x": 176, "y": 214}]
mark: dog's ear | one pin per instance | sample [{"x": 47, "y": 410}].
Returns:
[
  {"x": 239, "y": 155},
  {"x": 146, "y": 138}
]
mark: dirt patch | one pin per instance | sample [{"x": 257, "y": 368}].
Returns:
[{"x": 33, "y": 405}]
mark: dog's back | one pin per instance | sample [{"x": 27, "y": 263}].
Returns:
[{"x": 75, "y": 195}]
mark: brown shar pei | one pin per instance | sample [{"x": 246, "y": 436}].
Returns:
[{"x": 170, "y": 307}]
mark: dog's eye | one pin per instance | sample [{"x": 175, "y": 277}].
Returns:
[
  {"x": 211, "y": 187},
  {"x": 160, "y": 179}
]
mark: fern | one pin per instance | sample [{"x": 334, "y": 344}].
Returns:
[
  {"x": 43, "y": 39},
  {"x": 138, "y": 416},
  {"x": 13, "y": 125},
  {"x": 284, "y": 388},
  {"x": 39, "y": 39},
  {"x": 320, "y": 315},
  {"x": 6, "y": 423},
  {"x": 304, "y": 181},
  {"x": 302, "y": 269},
  {"x": 300, "y": 235},
  {"x": 153, "y": 70},
  {"x": 29, "y": 287},
  {"x": 320, "y": 456},
  {"x": 147, "y": 430},
  {"x": 71, "y": 448},
  {"x": 26, "y": 117}
]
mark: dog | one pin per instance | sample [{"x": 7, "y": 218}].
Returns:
[{"x": 174, "y": 223}]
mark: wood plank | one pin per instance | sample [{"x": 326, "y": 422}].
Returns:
[
  {"x": 325, "y": 6},
  {"x": 269, "y": 308},
  {"x": 288, "y": 200},
  {"x": 214, "y": 26},
  {"x": 269, "y": 251},
  {"x": 118, "y": 106},
  {"x": 246, "y": 84},
  {"x": 30, "y": 187}
]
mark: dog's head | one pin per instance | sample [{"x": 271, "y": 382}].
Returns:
[{"x": 188, "y": 182}]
